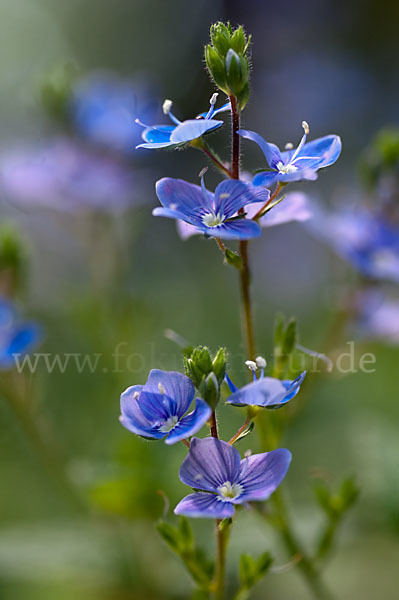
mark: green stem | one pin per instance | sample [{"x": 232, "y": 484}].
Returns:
[
  {"x": 305, "y": 564},
  {"x": 221, "y": 541},
  {"x": 245, "y": 275}
]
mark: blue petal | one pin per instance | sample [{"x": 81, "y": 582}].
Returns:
[
  {"x": 132, "y": 417},
  {"x": 294, "y": 207},
  {"x": 267, "y": 391},
  {"x": 191, "y": 423},
  {"x": 158, "y": 133},
  {"x": 261, "y": 474},
  {"x": 210, "y": 463},
  {"x": 327, "y": 150},
  {"x": 153, "y": 146},
  {"x": 293, "y": 387},
  {"x": 271, "y": 151},
  {"x": 231, "y": 195},
  {"x": 169, "y": 213},
  {"x": 239, "y": 229},
  {"x": 186, "y": 198},
  {"x": 232, "y": 386},
  {"x": 157, "y": 407},
  {"x": 192, "y": 129},
  {"x": 266, "y": 178},
  {"x": 201, "y": 504},
  {"x": 302, "y": 173},
  {"x": 177, "y": 386},
  {"x": 24, "y": 339}
]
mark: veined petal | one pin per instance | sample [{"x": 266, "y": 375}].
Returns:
[
  {"x": 271, "y": 151},
  {"x": 145, "y": 432},
  {"x": 210, "y": 463},
  {"x": 176, "y": 385},
  {"x": 261, "y": 474},
  {"x": 158, "y": 134},
  {"x": 155, "y": 146},
  {"x": 186, "y": 230},
  {"x": 191, "y": 423},
  {"x": 325, "y": 151},
  {"x": 160, "y": 211},
  {"x": 266, "y": 178},
  {"x": 232, "y": 194},
  {"x": 183, "y": 197},
  {"x": 239, "y": 229},
  {"x": 267, "y": 391},
  {"x": 192, "y": 129},
  {"x": 201, "y": 504},
  {"x": 293, "y": 387},
  {"x": 301, "y": 173}
]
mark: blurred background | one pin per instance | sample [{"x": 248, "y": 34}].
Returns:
[{"x": 83, "y": 259}]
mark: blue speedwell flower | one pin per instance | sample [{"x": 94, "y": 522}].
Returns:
[
  {"x": 225, "y": 481},
  {"x": 294, "y": 165},
  {"x": 211, "y": 214},
  {"x": 164, "y": 136},
  {"x": 366, "y": 239},
  {"x": 16, "y": 337},
  {"x": 157, "y": 409},
  {"x": 267, "y": 392}
]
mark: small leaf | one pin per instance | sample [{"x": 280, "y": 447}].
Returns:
[
  {"x": 233, "y": 259},
  {"x": 246, "y": 432},
  {"x": 170, "y": 534}
]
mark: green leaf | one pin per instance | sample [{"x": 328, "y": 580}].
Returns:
[
  {"x": 186, "y": 534},
  {"x": 170, "y": 535},
  {"x": 232, "y": 258},
  {"x": 289, "y": 338},
  {"x": 246, "y": 432}
]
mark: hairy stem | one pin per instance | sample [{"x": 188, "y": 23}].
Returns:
[
  {"x": 218, "y": 163},
  {"x": 272, "y": 197},
  {"x": 239, "y": 432},
  {"x": 221, "y": 541},
  {"x": 245, "y": 275}
]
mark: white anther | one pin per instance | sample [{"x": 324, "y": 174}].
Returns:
[
  {"x": 305, "y": 127},
  {"x": 251, "y": 364},
  {"x": 136, "y": 395},
  {"x": 161, "y": 388},
  {"x": 247, "y": 453},
  {"x": 261, "y": 362},
  {"x": 166, "y": 107},
  {"x": 289, "y": 146},
  {"x": 213, "y": 99}
]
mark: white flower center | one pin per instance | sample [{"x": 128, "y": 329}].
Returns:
[
  {"x": 228, "y": 491},
  {"x": 212, "y": 220},
  {"x": 169, "y": 424},
  {"x": 289, "y": 168}
]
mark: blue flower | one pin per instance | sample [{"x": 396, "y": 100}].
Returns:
[
  {"x": 225, "y": 481},
  {"x": 211, "y": 214},
  {"x": 368, "y": 241},
  {"x": 68, "y": 177},
  {"x": 157, "y": 409},
  {"x": 164, "y": 136},
  {"x": 16, "y": 336},
  {"x": 267, "y": 392},
  {"x": 294, "y": 165},
  {"x": 103, "y": 106}
]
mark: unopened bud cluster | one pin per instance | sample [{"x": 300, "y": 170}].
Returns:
[{"x": 207, "y": 373}]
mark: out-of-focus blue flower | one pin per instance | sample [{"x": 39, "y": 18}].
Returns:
[
  {"x": 157, "y": 409},
  {"x": 16, "y": 336},
  {"x": 294, "y": 165},
  {"x": 294, "y": 207},
  {"x": 211, "y": 214},
  {"x": 215, "y": 468},
  {"x": 103, "y": 107},
  {"x": 377, "y": 316},
  {"x": 164, "y": 136},
  {"x": 65, "y": 176},
  {"x": 366, "y": 240},
  {"x": 267, "y": 392}
]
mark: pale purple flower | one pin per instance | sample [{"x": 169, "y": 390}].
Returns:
[{"x": 224, "y": 481}]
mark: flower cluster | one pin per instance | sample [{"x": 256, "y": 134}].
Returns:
[{"x": 159, "y": 409}]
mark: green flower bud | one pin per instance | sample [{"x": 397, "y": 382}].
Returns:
[
  {"x": 202, "y": 359},
  {"x": 227, "y": 61},
  {"x": 219, "y": 364},
  {"x": 210, "y": 390},
  {"x": 216, "y": 68}
]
